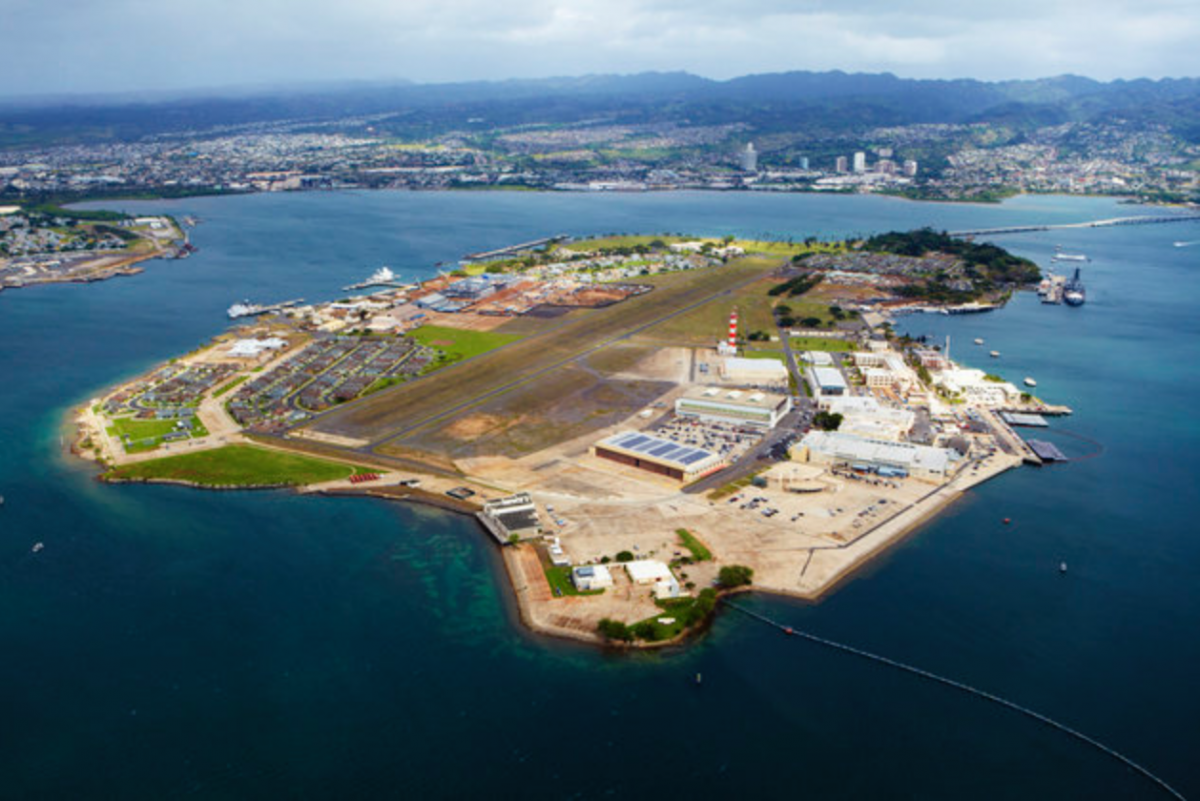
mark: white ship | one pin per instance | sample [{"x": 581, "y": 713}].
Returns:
[
  {"x": 243, "y": 309},
  {"x": 978, "y": 341},
  {"x": 1029, "y": 382},
  {"x": 995, "y": 354},
  {"x": 382, "y": 275}
]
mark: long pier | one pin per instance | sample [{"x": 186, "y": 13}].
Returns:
[
  {"x": 966, "y": 688},
  {"x": 1115, "y": 221},
  {"x": 511, "y": 249}
]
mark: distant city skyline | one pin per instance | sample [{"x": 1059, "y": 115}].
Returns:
[{"x": 125, "y": 46}]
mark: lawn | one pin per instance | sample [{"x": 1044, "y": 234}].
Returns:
[
  {"x": 146, "y": 435},
  {"x": 221, "y": 391},
  {"x": 820, "y": 343},
  {"x": 560, "y": 577},
  {"x": 454, "y": 344},
  {"x": 610, "y": 242},
  {"x": 763, "y": 354},
  {"x": 709, "y": 323},
  {"x": 237, "y": 465},
  {"x": 699, "y": 550}
]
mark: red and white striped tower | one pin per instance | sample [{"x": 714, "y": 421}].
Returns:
[{"x": 733, "y": 330}]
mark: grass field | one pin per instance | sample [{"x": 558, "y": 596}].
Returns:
[
  {"x": 560, "y": 577},
  {"x": 623, "y": 241},
  {"x": 709, "y": 323},
  {"x": 820, "y": 343},
  {"x": 455, "y": 344},
  {"x": 146, "y": 435},
  {"x": 763, "y": 354},
  {"x": 699, "y": 550},
  {"x": 222, "y": 390},
  {"x": 237, "y": 465},
  {"x": 443, "y": 394}
]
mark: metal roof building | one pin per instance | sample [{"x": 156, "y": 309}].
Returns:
[
  {"x": 759, "y": 409},
  {"x": 827, "y": 380},
  {"x": 918, "y": 460},
  {"x": 658, "y": 455}
]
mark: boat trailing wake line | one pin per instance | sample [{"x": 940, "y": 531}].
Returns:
[
  {"x": 1099, "y": 446},
  {"x": 1040, "y": 718}
]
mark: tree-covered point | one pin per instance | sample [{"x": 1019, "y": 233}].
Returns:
[{"x": 983, "y": 261}]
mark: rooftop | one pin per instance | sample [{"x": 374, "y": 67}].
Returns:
[{"x": 660, "y": 450}]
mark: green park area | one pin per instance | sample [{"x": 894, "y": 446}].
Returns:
[
  {"x": 238, "y": 466},
  {"x": 138, "y": 436},
  {"x": 820, "y": 343}
]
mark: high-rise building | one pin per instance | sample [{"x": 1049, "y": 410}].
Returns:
[
  {"x": 841, "y": 165},
  {"x": 860, "y": 162},
  {"x": 748, "y": 159},
  {"x": 885, "y": 166},
  {"x": 910, "y": 168},
  {"x": 804, "y": 162}
]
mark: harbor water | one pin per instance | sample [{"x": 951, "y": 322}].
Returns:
[{"x": 168, "y": 642}]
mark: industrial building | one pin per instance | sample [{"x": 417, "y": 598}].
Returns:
[
  {"x": 754, "y": 372},
  {"x": 758, "y": 409},
  {"x": 826, "y": 381},
  {"x": 651, "y": 571},
  {"x": 591, "y": 577},
  {"x": 897, "y": 459},
  {"x": 514, "y": 516},
  {"x": 974, "y": 386},
  {"x": 657, "y": 455},
  {"x": 868, "y": 418}
]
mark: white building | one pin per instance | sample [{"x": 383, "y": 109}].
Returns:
[
  {"x": 868, "y": 418},
  {"x": 975, "y": 387},
  {"x": 886, "y": 458},
  {"x": 818, "y": 358},
  {"x": 759, "y": 409},
  {"x": 826, "y": 381},
  {"x": 754, "y": 372},
  {"x": 253, "y": 348},
  {"x": 591, "y": 577},
  {"x": 860, "y": 162},
  {"x": 651, "y": 571},
  {"x": 748, "y": 159}
]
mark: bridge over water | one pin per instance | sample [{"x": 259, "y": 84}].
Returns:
[{"x": 1110, "y": 223}]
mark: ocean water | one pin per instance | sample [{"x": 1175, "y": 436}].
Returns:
[{"x": 171, "y": 642}]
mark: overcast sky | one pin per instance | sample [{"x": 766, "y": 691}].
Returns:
[{"x": 132, "y": 45}]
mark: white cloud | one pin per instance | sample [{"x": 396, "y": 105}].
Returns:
[{"x": 87, "y": 45}]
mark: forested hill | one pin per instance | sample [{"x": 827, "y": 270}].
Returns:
[{"x": 792, "y": 101}]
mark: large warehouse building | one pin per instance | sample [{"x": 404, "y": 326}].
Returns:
[
  {"x": 754, "y": 372},
  {"x": 657, "y": 455},
  {"x": 758, "y": 409},
  {"x": 887, "y": 458}
]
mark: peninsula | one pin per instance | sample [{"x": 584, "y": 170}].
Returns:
[
  {"x": 640, "y": 422},
  {"x": 49, "y": 244}
]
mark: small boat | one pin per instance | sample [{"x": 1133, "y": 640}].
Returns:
[
  {"x": 37, "y": 547},
  {"x": 699, "y": 678},
  {"x": 1062, "y": 567},
  {"x": 1029, "y": 382},
  {"x": 978, "y": 341},
  {"x": 788, "y": 630},
  {"x": 995, "y": 354}
]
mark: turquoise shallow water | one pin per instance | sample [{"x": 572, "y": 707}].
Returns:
[{"x": 170, "y": 642}]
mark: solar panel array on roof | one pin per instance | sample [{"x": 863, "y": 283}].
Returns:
[{"x": 661, "y": 449}]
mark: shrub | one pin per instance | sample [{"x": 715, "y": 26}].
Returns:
[{"x": 735, "y": 576}]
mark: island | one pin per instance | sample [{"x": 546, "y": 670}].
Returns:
[{"x": 641, "y": 423}]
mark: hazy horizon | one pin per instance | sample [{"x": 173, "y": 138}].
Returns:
[{"x": 227, "y": 47}]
